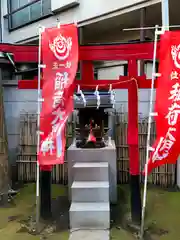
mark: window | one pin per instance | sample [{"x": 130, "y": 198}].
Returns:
[{"x": 22, "y": 12}]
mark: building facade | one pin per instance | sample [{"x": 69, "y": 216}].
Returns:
[
  {"x": 99, "y": 22},
  {"x": 22, "y": 18}
]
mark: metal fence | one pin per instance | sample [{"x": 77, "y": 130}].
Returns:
[{"x": 26, "y": 159}]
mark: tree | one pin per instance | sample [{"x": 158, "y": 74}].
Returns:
[{"x": 4, "y": 173}]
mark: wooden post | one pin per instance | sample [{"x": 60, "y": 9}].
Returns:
[{"x": 45, "y": 194}]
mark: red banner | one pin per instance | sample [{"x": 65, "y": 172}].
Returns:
[
  {"x": 60, "y": 60},
  {"x": 167, "y": 145}
]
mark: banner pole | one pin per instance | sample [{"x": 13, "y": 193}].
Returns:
[
  {"x": 38, "y": 129},
  {"x": 149, "y": 132}
]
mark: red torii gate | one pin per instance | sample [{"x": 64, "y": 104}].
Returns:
[
  {"x": 124, "y": 52},
  {"x": 121, "y": 52},
  {"x": 21, "y": 53}
]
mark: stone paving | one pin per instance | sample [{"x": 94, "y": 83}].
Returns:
[{"x": 90, "y": 235}]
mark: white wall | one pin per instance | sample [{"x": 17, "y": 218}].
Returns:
[
  {"x": 16, "y": 102},
  {"x": 87, "y": 10}
]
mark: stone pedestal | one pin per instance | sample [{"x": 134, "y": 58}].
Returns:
[{"x": 97, "y": 155}]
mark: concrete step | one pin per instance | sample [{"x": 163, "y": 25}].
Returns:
[
  {"x": 90, "y": 191},
  {"x": 89, "y": 215},
  {"x": 107, "y": 154},
  {"x": 91, "y": 171},
  {"x": 90, "y": 235}
]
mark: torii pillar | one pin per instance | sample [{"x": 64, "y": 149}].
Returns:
[{"x": 133, "y": 143}]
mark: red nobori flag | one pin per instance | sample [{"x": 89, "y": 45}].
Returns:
[
  {"x": 167, "y": 145},
  {"x": 60, "y": 57}
]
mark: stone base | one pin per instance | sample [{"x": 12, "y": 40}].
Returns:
[
  {"x": 89, "y": 216},
  {"x": 91, "y": 171},
  {"x": 93, "y": 191},
  {"x": 106, "y": 155},
  {"x": 90, "y": 235}
]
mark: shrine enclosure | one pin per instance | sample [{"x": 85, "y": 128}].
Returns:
[
  {"x": 119, "y": 52},
  {"x": 87, "y": 55},
  {"x": 131, "y": 53}
]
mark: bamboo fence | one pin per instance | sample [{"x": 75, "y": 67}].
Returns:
[
  {"x": 164, "y": 176},
  {"x": 26, "y": 158}
]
